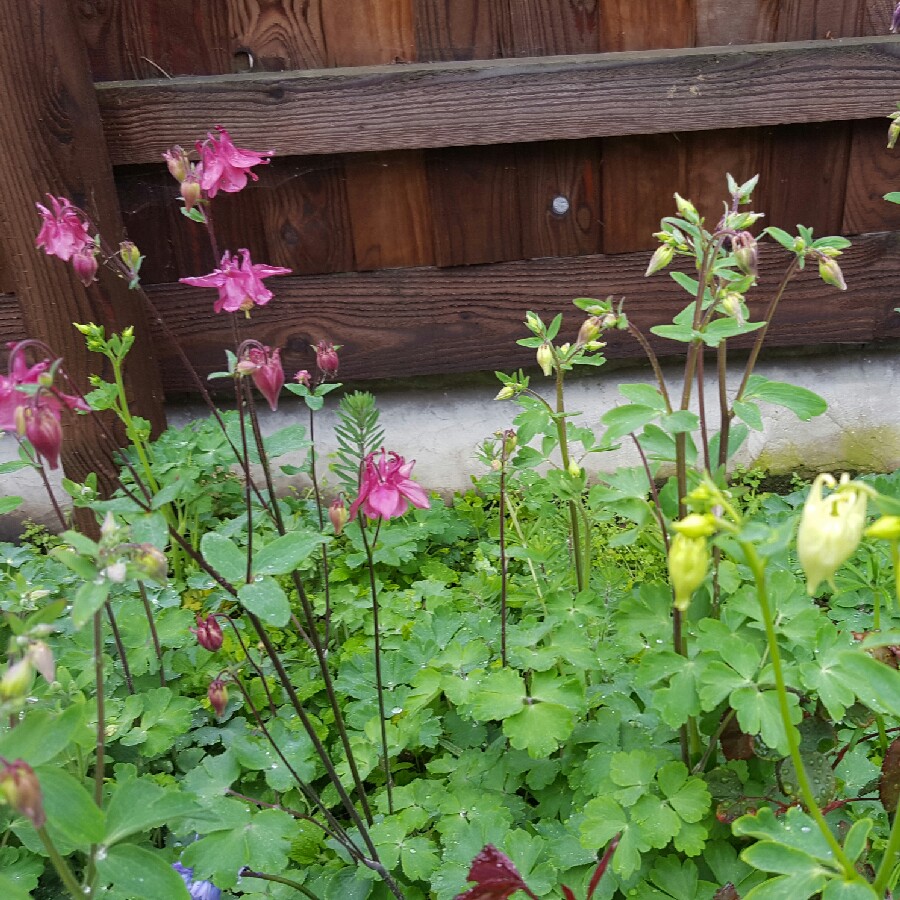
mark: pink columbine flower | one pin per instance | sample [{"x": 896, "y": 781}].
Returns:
[
  {"x": 239, "y": 282},
  {"x": 43, "y": 429},
  {"x": 35, "y": 415},
  {"x": 209, "y": 633},
  {"x": 64, "y": 230},
  {"x": 224, "y": 167},
  {"x": 385, "y": 489},
  {"x": 895, "y": 20},
  {"x": 303, "y": 377},
  {"x": 263, "y": 365},
  {"x": 327, "y": 359}
]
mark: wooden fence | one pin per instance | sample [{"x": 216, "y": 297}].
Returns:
[{"x": 444, "y": 165}]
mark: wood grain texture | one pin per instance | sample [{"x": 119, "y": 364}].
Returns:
[
  {"x": 304, "y": 209},
  {"x": 803, "y": 176},
  {"x": 754, "y": 21},
  {"x": 475, "y": 205},
  {"x": 509, "y": 101},
  {"x": 274, "y": 35},
  {"x": 368, "y": 32},
  {"x": 144, "y": 38},
  {"x": 53, "y": 142},
  {"x": 873, "y": 171},
  {"x": 390, "y": 210},
  {"x": 551, "y": 27},
  {"x": 458, "y": 29},
  {"x": 646, "y": 24},
  {"x": 566, "y": 172},
  {"x": 641, "y": 175},
  {"x": 442, "y": 321}
]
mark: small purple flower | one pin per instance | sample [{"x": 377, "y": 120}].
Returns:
[
  {"x": 895, "y": 20},
  {"x": 199, "y": 890}
]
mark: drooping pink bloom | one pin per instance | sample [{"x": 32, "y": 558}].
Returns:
[
  {"x": 36, "y": 414},
  {"x": 385, "y": 489},
  {"x": 263, "y": 365},
  {"x": 84, "y": 262},
  {"x": 64, "y": 229},
  {"x": 303, "y": 377},
  {"x": 224, "y": 167},
  {"x": 239, "y": 282},
  {"x": 217, "y": 694},
  {"x": 43, "y": 429},
  {"x": 327, "y": 359},
  {"x": 20, "y": 788},
  {"x": 895, "y": 20},
  {"x": 209, "y": 633},
  {"x": 338, "y": 514}
]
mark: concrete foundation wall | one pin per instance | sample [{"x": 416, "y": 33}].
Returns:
[{"x": 440, "y": 428}]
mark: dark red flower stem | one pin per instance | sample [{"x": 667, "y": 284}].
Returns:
[{"x": 379, "y": 684}]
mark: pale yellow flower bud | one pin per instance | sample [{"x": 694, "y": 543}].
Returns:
[
  {"x": 830, "y": 529},
  {"x": 545, "y": 358},
  {"x": 688, "y": 565}
]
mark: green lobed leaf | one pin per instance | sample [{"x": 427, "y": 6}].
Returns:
[
  {"x": 88, "y": 600},
  {"x": 285, "y": 553},
  {"x": 224, "y": 556},
  {"x": 71, "y": 811},
  {"x": 267, "y": 600},
  {"x": 499, "y": 695},
  {"x": 805, "y": 404},
  {"x": 139, "y": 872},
  {"x": 139, "y": 804},
  {"x": 261, "y": 840},
  {"x": 623, "y": 420}
]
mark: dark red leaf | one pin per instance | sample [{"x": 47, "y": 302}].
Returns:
[{"x": 495, "y": 877}]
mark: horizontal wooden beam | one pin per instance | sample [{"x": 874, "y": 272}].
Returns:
[
  {"x": 508, "y": 101},
  {"x": 398, "y": 323}
]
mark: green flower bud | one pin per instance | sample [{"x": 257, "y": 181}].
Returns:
[
  {"x": 545, "y": 358},
  {"x": 830, "y": 529},
  {"x": 507, "y": 392},
  {"x": 893, "y": 134},
  {"x": 688, "y": 565},
  {"x": 830, "y": 273},
  {"x": 17, "y": 680},
  {"x": 662, "y": 256},
  {"x": 695, "y": 525},
  {"x": 574, "y": 469},
  {"x": 887, "y": 528},
  {"x": 589, "y": 330}
]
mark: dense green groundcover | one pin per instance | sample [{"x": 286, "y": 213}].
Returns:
[
  {"x": 548, "y": 758},
  {"x": 663, "y": 682}
]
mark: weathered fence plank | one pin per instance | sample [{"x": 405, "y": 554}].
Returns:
[
  {"x": 509, "y": 101},
  {"x": 53, "y": 142},
  {"x": 403, "y": 322}
]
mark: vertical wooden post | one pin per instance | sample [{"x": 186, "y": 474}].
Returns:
[{"x": 53, "y": 143}]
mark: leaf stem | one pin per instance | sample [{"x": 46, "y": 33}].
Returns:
[
  {"x": 62, "y": 867},
  {"x": 757, "y": 566}
]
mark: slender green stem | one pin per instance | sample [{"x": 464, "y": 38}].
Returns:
[
  {"x": 154, "y": 636},
  {"x": 120, "y": 647},
  {"x": 128, "y": 421},
  {"x": 513, "y": 517},
  {"x": 724, "y": 411},
  {"x": 313, "y": 474},
  {"x": 574, "y": 523},
  {"x": 503, "y": 562},
  {"x": 62, "y": 867},
  {"x": 101, "y": 710},
  {"x": 638, "y": 335},
  {"x": 889, "y": 860},
  {"x": 379, "y": 684},
  {"x": 761, "y": 334},
  {"x": 280, "y": 879},
  {"x": 757, "y": 566}
]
